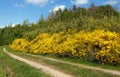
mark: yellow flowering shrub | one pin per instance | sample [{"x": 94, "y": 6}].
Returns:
[
  {"x": 41, "y": 44},
  {"x": 98, "y": 46},
  {"x": 20, "y": 44},
  {"x": 106, "y": 46}
]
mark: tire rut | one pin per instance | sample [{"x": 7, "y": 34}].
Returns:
[
  {"x": 46, "y": 69},
  {"x": 115, "y": 72}
]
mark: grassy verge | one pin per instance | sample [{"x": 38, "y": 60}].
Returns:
[
  {"x": 21, "y": 69},
  {"x": 71, "y": 69},
  {"x": 2, "y": 71},
  {"x": 84, "y": 62},
  {"x": 78, "y": 60},
  {"x": 78, "y": 71}
]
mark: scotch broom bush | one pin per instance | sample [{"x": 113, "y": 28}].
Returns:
[{"x": 98, "y": 46}]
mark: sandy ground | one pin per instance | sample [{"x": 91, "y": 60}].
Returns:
[{"x": 46, "y": 69}]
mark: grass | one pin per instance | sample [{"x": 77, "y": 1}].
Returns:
[
  {"x": 84, "y": 62},
  {"x": 79, "y": 61},
  {"x": 78, "y": 71},
  {"x": 2, "y": 71},
  {"x": 21, "y": 69},
  {"x": 71, "y": 69}
]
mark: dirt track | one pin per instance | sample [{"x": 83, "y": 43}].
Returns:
[
  {"x": 80, "y": 65},
  {"x": 46, "y": 69},
  {"x": 54, "y": 72}
]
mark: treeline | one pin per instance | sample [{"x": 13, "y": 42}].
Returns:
[{"x": 75, "y": 19}]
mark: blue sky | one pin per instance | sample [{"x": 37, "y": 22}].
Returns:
[{"x": 15, "y": 11}]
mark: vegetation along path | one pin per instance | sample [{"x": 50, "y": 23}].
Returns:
[
  {"x": 44, "y": 68},
  {"x": 80, "y": 65},
  {"x": 56, "y": 60}
]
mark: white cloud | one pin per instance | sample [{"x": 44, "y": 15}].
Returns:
[
  {"x": 56, "y": 8},
  {"x": 52, "y": 1},
  {"x": 13, "y": 25},
  {"x": 112, "y": 2},
  {"x": 19, "y": 5},
  {"x": 79, "y": 2},
  {"x": 40, "y": 3},
  {"x": 37, "y": 2},
  {"x": 2, "y": 26}
]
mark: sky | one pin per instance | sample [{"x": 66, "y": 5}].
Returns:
[{"x": 16, "y": 11}]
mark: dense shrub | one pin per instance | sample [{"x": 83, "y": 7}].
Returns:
[
  {"x": 98, "y": 46},
  {"x": 20, "y": 45}
]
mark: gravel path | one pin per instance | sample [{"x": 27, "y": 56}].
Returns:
[
  {"x": 115, "y": 72},
  {"x": 46, "y": 69}
]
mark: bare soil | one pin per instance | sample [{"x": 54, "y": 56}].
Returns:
[
  {"x": 115, "y": 72},
  {"x": 44, "y": 68}
]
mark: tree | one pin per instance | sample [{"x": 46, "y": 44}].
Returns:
[
  {"x": 58, "y": 14},
  {"x": 74, "y": 8}
]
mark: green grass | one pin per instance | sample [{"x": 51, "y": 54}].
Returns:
[
  {"x": 71, "y": 69},
  {"x": 78, "y": 71},
  {"x": 21, "y": 69},
  {"x": 79, "y": 61},
  {"x": 84, "y": 62},
  {"x": 2, "y": 71}
]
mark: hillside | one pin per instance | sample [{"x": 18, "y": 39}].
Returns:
[{"x": 74, "y": 19}]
